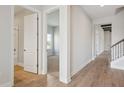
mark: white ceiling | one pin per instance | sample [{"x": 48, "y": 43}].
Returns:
[
  {"x": 53, "y": 17},
  {"x": 96, "y": 11},
  {"x": 19, "y": 9}
]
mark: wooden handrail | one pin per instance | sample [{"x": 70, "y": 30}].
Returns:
[{"x": 117, "y": 43}]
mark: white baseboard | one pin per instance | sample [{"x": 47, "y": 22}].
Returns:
[
  {"x": 66, "y": 81},
  {"x": 8, "y": 84},
  {"x": 80, "y": 68},
  {"x": 20, "y": 64},
  {"x": 93, "y": 58},
  {"x": 118, "y": 64}
]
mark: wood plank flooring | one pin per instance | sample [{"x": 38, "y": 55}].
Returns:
[
  {"x": 53, "y": 66},
  {"x": 96, "y": 74}
]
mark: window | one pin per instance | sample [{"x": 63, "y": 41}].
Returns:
[{"x": 49, "y": 41}]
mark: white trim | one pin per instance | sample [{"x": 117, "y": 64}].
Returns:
[
  {"x": 44, "y": 65},
  {"x": 118, "y": 63},
  {"x": 8, "y": 84},
  {"x": 65, "y": 73},
  {"x": 39, "y": 39},
  {"x": 80, "y": 68},
  {"x": 20, "y": 64},
  {"x": 12, "y": 45},
  {"x": 50, "y": 10},
  {"x": 93, "y": 41},
  {"x": 30, "y": 8},
  {"x": 39, "y": 36},
  {"x": 39, "y": 44},
  {"x": 66, "y": 81},
  {"x": 93, "y": 58},
  {"x": 64, "y": 60}
]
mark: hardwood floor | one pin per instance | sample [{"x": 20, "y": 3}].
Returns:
[
  {"x": 96, "y": 74},
  {"x": 53, "y": 66}
]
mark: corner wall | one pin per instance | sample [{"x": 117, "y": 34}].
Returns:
[
  {"x": 81, "y": 41},
  {"x": 5, "y": 45},
  {"x": 118, "y": 27}
]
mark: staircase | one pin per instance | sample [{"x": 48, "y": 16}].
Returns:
[{"x": 117, "y": 55}]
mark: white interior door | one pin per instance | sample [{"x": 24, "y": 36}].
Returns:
[{"x": 30, "y": 43}]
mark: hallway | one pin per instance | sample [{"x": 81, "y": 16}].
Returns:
[
  {"x": 96, "y": 74},
  {"x": 99, "y": 74}
]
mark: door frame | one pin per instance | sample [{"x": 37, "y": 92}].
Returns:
[
  {"x": 45, "y": 13},
  {"x": 94, "y": 53},
  {"x": 39, "y": 43},
  {"x": 64, "y": 46},
  {"x": 16, "y": 27}
]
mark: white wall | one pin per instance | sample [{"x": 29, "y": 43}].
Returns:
[
  {"x": 65, "y": 42},
  {"x": 104, "y": 20},
  {"x": 5, "y": 45},
  {"x": 118, "y": 64},
  {"x": 19, "y": 20},
  {"x": 53, "y": 23},
  {"x": 56, "y": 40},
  {"x": 117, "y": 35},
  {"x": 16, "y": 30},
  {"x": 117, "y": 22},
  {"x": 54, "y": 31},
  {"x": 50, "y": 30},
  {"x": 81, "y": 41},
  {"x": 107, "y": 40},
  {"x": 118, "y": 27},
  {"x": 46, "y": 7},
  {"x": 53, "y": 18},
  {"x": 101, "y": 21},
  {"x": 99, "y": 40},
  {"x": 64, "y": 58}
]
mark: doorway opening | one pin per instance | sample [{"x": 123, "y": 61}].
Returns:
[
  {"x": 107, "y": 28},
  {"x": 102, "y": 38},
  {"x": 25, "y": 37},
  {"x": 64, "y": 42},
  {"x": 53, "y": 43}
]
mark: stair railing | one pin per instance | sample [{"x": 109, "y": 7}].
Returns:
[{"x": 117, "y": 50}]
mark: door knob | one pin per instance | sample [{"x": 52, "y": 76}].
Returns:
[{"x": 24, "y": 49}]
